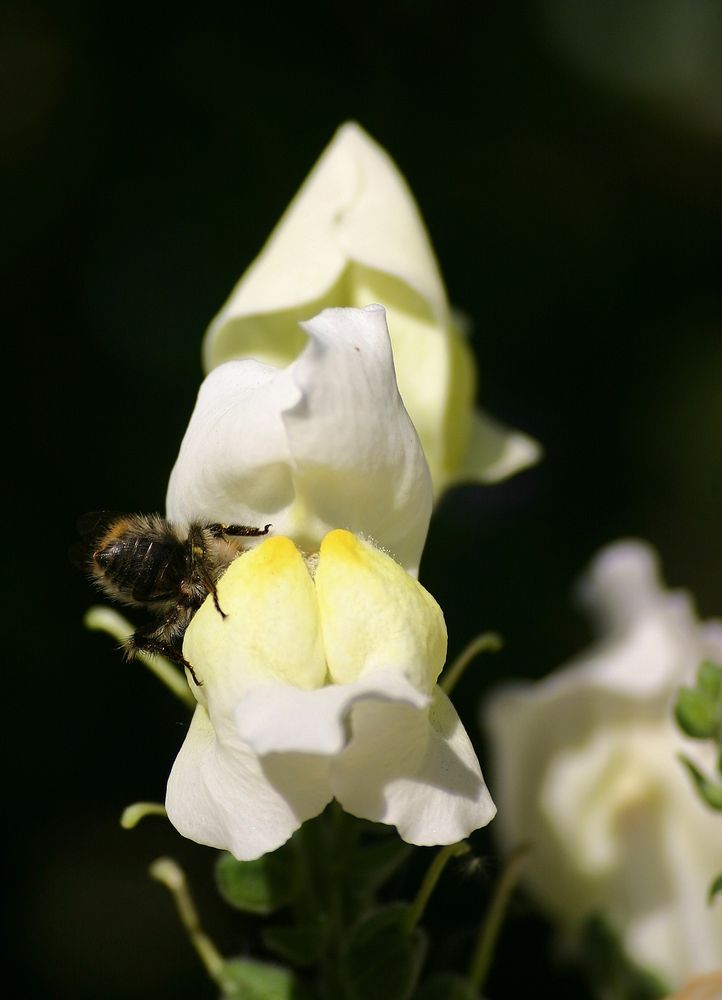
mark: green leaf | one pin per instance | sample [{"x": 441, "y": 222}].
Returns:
[
  {"x": 299, "y": 945},
  {"x": 709, "y": 679},
  {"x": 371, "y": 865},
  {"x": 382, "y": 959},
  {"x": 446, "y": 986},
  {"x": 698, "y": 713},
  {"x": 611, "y": 972},
  {"x": 243, "y": 979},
  {"x": 260, "y": 886},
  {"x": 714, "y": 889},
  {"x": 710, "y": 792}
]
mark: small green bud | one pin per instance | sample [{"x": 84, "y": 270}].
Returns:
[{"x": 698, "y": 713}]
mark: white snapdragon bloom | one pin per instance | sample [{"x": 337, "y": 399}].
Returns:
[
  {"x": 324, "y": 443},
  {"x": 353, "y": 235},
  {"x": 587, "y": 772},
  {"x": 320, "y": 684}
]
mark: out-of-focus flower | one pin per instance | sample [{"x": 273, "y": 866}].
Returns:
[
  {"x": 324, "y": 443},
  {"x": 586, "y": 770},
  {"x": 320, "y": 683},
  {"x": 353, "y": 235}
]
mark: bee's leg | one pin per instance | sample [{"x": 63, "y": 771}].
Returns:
[
  {"x": 219, "y": 530},
  {"x": 141, "y": 642},
  {"x": 206, "y": 578}
]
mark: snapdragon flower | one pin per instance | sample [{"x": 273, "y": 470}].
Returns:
[
  {"x": 354, "y": 235},
  {"x": 320, "y": 681},
  {"x": 587, "y": 771},
  {"x": 324, "y": 443},
  {"x": 320, "y": 684}
]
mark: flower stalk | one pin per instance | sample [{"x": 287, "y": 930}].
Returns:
[
  {"x": 102, "y": 619},
  {"x": 171, "y": 875},
  {"x": 488, "y": 935},
  {"x": 432, "y": 876},
  {"x": 487, "y": 642}
]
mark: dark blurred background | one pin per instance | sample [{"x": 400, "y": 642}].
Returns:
[{"x": 567, "y": 157}]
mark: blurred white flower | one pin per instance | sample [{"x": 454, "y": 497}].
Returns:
[
  {"x": 324, "y": 443},
  {"x": 353, "y": 235},
  {"x": 320, "y": 684},
  {"x": 586, "y": 770}
]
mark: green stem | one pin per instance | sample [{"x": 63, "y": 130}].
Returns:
[
  {"x": 133, "y": 814},
  {"x": 486, "y": 942},
  {"x": 171, "y": 875},
  {"x": 428, "y": 884},
  {"x": 101, "y": 619},
  {"x": 487, "y": 642}
]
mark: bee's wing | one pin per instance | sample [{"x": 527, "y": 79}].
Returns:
[
  {"x": 93, "y": 523},
  {"x": 78, "y": 554}
]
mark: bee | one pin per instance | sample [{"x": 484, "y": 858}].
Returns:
[{"x": 144, "y": 561}]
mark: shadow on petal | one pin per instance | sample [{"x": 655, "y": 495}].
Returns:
[
  {"x": 294, "y": 775},
  {"x": 415, "y": 769}
]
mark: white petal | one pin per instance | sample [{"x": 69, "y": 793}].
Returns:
[
  {"x": 354, "y": 207},
  {"x": 414, "y": 769},
  {"x": 220, "y": 794},
  {"x": 586, "y": 769},
  {"x": 234, "y": 464},
  {"x": 496, "y": 452},
  {"x": 325, "y": 443},
  {"x": 359, "y": 461},
  {"x": 277, "y": 719},
  {"x": 651, "y": 639}
]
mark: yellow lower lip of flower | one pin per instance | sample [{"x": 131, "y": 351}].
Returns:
[
  {"x": 321, "y": 687},
  {"x": 360, "y": 612}
]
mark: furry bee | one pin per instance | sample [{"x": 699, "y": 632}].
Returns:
[{"x": 144, "y": 561}]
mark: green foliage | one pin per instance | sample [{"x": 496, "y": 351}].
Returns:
[
  {"x": 612, "y": 974},
  {"x": 342, "y": 942},
  {"x": 372, "y": 865},
  {"x": 715, "y": 888},
  {"x": 244, "y": 979},
  {"x": 301, "y": 945},
  {"x": 699, "y": 709},
  {"x": 261, "y": 886},
  {"x": 710, "y": 791},
  {"x": 446, "y": 986},
  {"x": 709, "y": 679},
  {"x": 699, "y": 715},
  {"x": 382, "y": 958}
]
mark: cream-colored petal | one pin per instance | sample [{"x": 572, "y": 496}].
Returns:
[
  {"x": 354, "y": 207},
  {"x": 283, "y": 719},
  {"x": 234, "y": 464},
  {"x": 495, "y": 452},
  {"x": 586, "y": 768},
  {"x": 624, "y": 816},
  {"x": 358, "y": 462},
  {"x": 270, "y": 631},
  {"x": 414, "y": 769},
  {"x": 435, "y": 390},
  {"x": 220, "y": 794},
  {"x": 375, "y": 616},
  {"x": 324, "y": 443}
]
